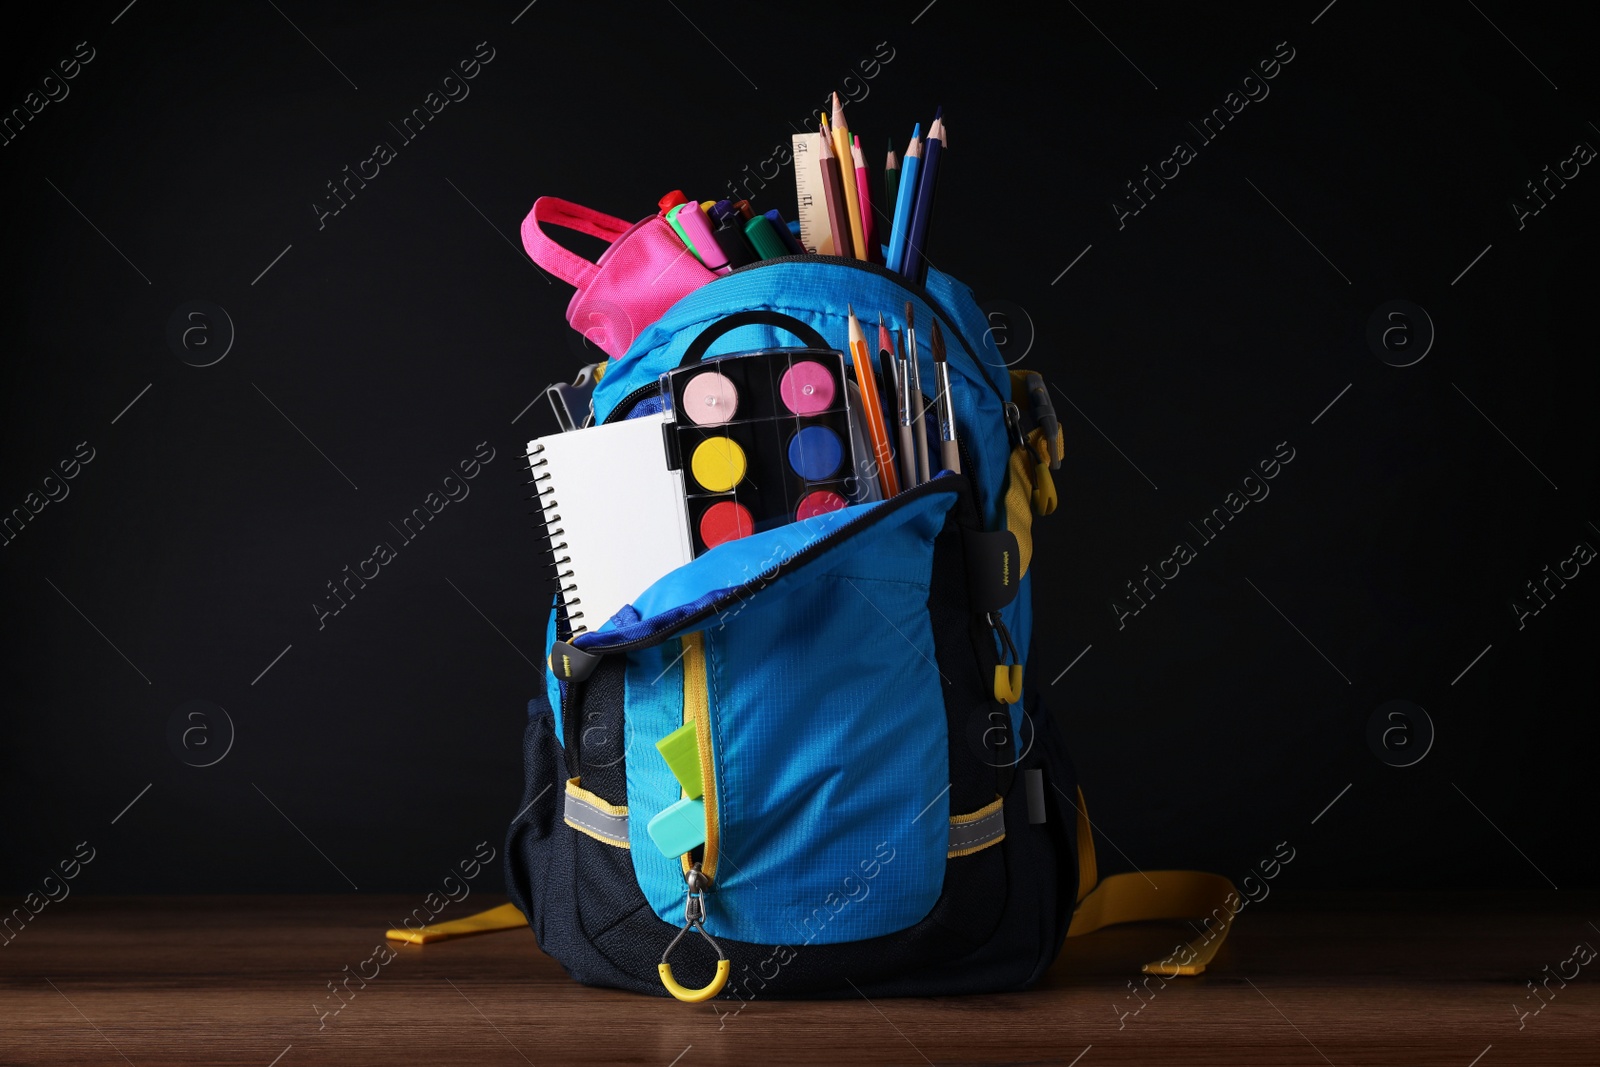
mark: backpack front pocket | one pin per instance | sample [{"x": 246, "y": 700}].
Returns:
[{"x": 816, "y": 687}]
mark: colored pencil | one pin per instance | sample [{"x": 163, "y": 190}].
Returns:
[
  {"x": 869, "y": 231},
  {"x": 891, "y": 182},
  {"x": 915, "y": 265},
  {"x": 833, "y": 196},
  {"x": 905, "y": 201},
  {"x": 872, "y": 409},
  {"x": 847, "y": 175}
]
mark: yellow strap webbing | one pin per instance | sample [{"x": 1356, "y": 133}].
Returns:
[
  {"x": 1019, "y": 506},
  {"x": 1147, "y": 896},
  {"x": 505, "y": 917},
  {"x": 1088, "y": 872},
  {"x": 1191, "y": 895}
]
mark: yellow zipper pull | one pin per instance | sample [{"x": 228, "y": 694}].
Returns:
[
  {"x": 1007, "y": 676},
  {"x": 694, "y": 914}
]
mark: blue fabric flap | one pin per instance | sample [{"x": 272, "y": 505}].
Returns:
[
  {"x": 827, "y": 721},
  {"x": 736, "y": 570}
]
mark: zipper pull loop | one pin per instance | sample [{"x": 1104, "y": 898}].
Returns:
[
  {"x": 694, "y": 914},
  {"x": 1044, "y": 413},
  {"x": 1007, "y": 676},
  {"x": 1014, "y": 425},
  {"x": 694, "y": 909}
]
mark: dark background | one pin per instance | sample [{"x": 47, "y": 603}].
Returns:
[{"x": 377, "y": 751}]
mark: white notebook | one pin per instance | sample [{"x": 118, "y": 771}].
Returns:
[{"x": 615, "y": 513}]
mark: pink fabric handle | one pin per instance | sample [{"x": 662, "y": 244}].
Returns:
[
  {"x": 645, "y": 270},
  {"x": 543, "y": 250}
]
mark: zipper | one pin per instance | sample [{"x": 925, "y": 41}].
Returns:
[
  {"x": 944, "y": 483},
  {"x": 899, "y": 279},
  {"x": 696, "y": 676},
  {"x": 697, "y": 709},
  {"x": 626, "y": 404}
]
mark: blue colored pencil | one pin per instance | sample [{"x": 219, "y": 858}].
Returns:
[
  {"x": 905, "y": 199},
  {"x": 915, "y": 264}
]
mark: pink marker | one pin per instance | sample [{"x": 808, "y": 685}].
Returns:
[{"x": 703, "y": 242}]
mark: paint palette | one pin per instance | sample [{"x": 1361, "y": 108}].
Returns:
[{"x": 762, "y": 439}]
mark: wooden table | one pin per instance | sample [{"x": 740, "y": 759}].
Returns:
[{"x": 1321, "y": 979}]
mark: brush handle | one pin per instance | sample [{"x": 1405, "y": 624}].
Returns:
[
  {"x": 908, "y": 456},
  {"x": 950, "y": 456},
  {"x": 919, "y": 427},
  {"x": 944, "y": 403}
]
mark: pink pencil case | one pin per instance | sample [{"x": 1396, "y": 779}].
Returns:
[{"x": 644, "y": 272}]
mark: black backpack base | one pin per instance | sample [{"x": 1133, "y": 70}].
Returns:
[{"x": 983, "y": 935}]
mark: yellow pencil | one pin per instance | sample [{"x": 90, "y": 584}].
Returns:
[
  {"x": 830, "y": 164},
  {"x": 847, "y": 178}
]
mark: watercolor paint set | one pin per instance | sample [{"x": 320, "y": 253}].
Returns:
[{"x": 761, "y": 439}]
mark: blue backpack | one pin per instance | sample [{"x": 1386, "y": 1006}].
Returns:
[{"x": 889, "y": 808}]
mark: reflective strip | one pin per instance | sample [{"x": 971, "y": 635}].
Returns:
[
  {"x": 977, "y": 831},
  {"x": 588, "y": 814},
  {"x": 603, "y": 821}
]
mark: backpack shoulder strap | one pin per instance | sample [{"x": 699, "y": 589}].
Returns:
[
  {"x": 505, "y": 917},
  {"x": 1144, "y": 896}
]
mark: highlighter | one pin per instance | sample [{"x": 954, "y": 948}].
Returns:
[
  {"x": 697, "y": 229},
  {"x": 677, "y": 227}
]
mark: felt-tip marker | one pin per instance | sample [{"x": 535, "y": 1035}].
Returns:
[{"x": 697, "y": 228}]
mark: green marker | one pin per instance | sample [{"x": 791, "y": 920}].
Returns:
[{"x": 764, "y": 237}]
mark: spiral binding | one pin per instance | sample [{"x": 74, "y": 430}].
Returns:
[{"x": 553, "y": 535}]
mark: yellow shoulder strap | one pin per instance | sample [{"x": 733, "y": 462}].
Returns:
[
  {"x": 1144, "y": 896},
  {"x": 505, "y": 917}
]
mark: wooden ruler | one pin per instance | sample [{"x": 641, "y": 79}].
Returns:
[{"x": 815, "y": 234}]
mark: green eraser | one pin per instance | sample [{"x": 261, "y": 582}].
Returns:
[
  {"x": 681, "y": 750},
  {"x": 680, "y": 827}
]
